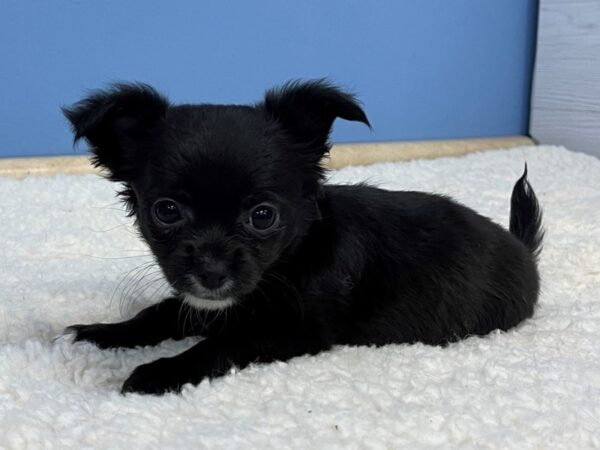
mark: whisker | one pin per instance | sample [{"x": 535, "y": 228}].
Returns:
[
  {"x": 124, "y": 278},
  {"x": 140, "y": 275},
  {"x": 142, "y": 290},
  {"x": 162, "y": 288}
]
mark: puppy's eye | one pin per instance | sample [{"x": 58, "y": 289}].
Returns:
[
  {"x": 167, "y": 212},
  {"x": 263, "y": 217}
]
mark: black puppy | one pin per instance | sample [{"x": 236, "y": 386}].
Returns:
[{"x": 274, "y": 263}]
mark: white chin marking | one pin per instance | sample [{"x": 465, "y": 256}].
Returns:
[{"x": 206, "y": 304}]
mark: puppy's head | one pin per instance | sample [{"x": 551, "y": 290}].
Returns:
[{"x": 219, "y": 192}]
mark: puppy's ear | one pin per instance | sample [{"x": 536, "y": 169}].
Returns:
[
  {"x": 306, "y": 110},
  {"x": 117, "y": 123}
]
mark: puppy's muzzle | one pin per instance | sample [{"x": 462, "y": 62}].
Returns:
[
  {"x": 211, "y": 265},
  {"x": 213, "y": 275}
]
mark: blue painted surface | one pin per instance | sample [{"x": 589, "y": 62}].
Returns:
[{"x": 424, "y": 69}]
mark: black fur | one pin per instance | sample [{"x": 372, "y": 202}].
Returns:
[{"x": 352, "y": 265}]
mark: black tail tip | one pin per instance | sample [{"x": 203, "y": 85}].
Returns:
[
  {"x": 526, "y": 215},
  {"x": 524, "y": 176}
]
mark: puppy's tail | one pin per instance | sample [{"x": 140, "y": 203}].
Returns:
[{"x": 526, "y": 215}]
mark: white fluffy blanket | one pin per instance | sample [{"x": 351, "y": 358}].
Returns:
[{"x": 66, "y": 248}]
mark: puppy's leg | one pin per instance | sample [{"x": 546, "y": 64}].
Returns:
[
  {"x": 211, "y": 358},
  {"x": 149, "y": 327}
]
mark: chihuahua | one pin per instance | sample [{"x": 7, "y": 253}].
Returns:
[{"x": 273, "y": 263}]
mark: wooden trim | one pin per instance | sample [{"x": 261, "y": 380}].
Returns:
[
  {"x": 341, "y": 155},
  {"x": 361, "y": 154}
]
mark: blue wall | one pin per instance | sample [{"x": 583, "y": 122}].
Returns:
[{"x": 424, "y": 69}]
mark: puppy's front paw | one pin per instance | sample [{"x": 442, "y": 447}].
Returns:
[
  {"x": 101, "y": 334},
  {"x": 156, "y": 378}
]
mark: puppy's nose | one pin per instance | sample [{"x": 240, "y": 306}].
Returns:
[{"x": 213, "y": 277}]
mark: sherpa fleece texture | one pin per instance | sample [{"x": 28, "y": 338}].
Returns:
[{"x": 69, "y": 255}]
